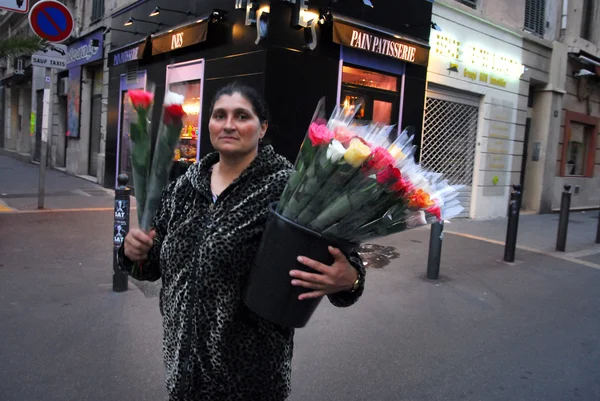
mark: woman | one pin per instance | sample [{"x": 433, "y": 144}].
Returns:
[{"x": 207, "y": 232}]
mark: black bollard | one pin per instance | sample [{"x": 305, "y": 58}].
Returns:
[
  {"x": 435, "y": 250},
  {"x": 121, "y": 228},
  {"x": 563, "y": 222},
  {"x": 598, "y": 230},
  {"x": 514, "y": 210}
]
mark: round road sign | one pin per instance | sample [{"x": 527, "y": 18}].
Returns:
[{"x": 51, "y": 20}]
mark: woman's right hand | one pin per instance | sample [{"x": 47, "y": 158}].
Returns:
[{"x": 138, "y": 244}]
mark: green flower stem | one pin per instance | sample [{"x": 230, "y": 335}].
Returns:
[
  {"x": 140, "y": 159},
  {"x": 167, "y": 141}
]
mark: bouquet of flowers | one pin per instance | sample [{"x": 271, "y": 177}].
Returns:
[
  {"x": 150, "y": 182},
  {"x": 351, "y": 184},
  {"x": 355, "y": 183}
]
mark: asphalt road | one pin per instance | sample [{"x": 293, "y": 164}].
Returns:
[{"x": 485, "y": 331}]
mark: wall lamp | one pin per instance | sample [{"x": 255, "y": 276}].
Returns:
[
  {"x": 583, "y": 73},
  {"x": 109, "y": 29},
  {"x": 158, "y": 10},
  {"x": 131, "y": 20},
  {"x": 432, "y": 24}
]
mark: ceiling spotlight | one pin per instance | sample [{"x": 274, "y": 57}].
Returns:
[{"x": 129, "y": 22}]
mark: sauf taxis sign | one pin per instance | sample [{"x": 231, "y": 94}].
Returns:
[{"x": 478, "y": 63}]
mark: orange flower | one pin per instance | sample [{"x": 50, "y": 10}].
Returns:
[{"x": 420, "y": 200}]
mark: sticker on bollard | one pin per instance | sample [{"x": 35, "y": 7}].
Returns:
[{"x": 121, "y": 228}]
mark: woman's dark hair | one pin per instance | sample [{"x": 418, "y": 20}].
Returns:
[{"x": 258, "y": 103}]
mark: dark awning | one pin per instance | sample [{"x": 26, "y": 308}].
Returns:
[
  {"x": 131, "y": 52},
  {"x": 372, "y": 38},
  {"x": 184, "y": 35}
]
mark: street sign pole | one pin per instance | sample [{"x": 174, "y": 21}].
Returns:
[{"x": 44, "y": 148}]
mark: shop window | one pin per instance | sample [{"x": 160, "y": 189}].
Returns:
[
  {"x": 470, "y": 3},
  {"x": 579, "y": 145},
  {"x": 535, "y": 16},
  {"x": 97, "y": 10},
  {"x": 587, "y": 19},
  {"x": 357, "y": 76}
]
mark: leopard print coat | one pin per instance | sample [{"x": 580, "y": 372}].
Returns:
[{"x": 214, "y": 347}]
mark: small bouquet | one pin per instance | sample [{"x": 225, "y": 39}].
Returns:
[
  {"x": 150, "y": 182},
  {"x": 351, "y": 184}
]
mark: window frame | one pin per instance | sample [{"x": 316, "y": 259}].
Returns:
[
  {"x": 97, "y": 11},
  {"x": 584, "y": 119},
  {"x": 541, "y": 24}
]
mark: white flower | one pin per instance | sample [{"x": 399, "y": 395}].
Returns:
[
  {"x": 173, "y": 98},
  {"x": 335, "y": 151}
]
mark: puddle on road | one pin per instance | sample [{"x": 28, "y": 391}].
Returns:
[{"x": 377, "y": 256}]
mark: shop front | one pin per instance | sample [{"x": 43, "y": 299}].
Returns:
[
  {"x": 82, "y": 107},
  {"x": 476, "y": 119},
  {"x": 290, "y": 57}
]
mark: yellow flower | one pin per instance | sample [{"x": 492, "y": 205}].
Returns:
[
  {"x": 396, "y": 152},
  {"x": 356, "y": 153}
]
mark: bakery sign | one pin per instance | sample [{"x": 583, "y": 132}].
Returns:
[{"x": 386, "y": 45}]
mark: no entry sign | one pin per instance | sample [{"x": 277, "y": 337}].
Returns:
[{"x": 51, "y": 20}]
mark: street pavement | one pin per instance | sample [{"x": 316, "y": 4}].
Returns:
[{"x": 486, "y": 330}]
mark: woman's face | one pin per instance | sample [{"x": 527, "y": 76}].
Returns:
[{"x": 234, "y": 127}]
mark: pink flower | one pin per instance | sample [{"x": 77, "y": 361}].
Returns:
[
  {"x": 344, "y": 135},
  {"x": 381, "y": 158},
  {"x": 319, "y": 135}
]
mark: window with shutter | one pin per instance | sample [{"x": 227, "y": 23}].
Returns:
[
  {"x": 97, "y": 10},
  {"x": 470, "y": 3},
  {"x": 535, "y": 16}
]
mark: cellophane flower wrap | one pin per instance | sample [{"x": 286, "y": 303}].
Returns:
[
  {"x": 355, "y": 183},
  {"x": 167, "y": 140},
  {"x": 141, "y": 102}
]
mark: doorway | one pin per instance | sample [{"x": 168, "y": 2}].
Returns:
[
  {"x": 137, "y": 80},
  {"x": 39, "y": 104},
  {"x": 95, "y": 123}
]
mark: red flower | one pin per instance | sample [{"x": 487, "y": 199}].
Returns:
[
  {"x": 402, "y": 186},
  {"x": 389, "y": 176},
  {"x": 319, "y": 135},
  {"x": 435, "y": 210},
  {"x": 140, "y": 98},
  {"x": 344, "y": 135},
  {"x": 173, "y": 113}
]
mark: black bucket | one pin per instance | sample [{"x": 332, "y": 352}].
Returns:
[{"x": 269, "y": 291}]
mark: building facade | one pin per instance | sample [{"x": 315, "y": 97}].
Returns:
[
  {"x": 565, "y": 151},
  {"x": 486, "y": 60}
]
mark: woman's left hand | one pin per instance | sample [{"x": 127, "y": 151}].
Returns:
[{"x": 340, "y": 276}]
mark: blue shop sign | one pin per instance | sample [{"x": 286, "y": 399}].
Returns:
[{"x": 86, "y": 50}]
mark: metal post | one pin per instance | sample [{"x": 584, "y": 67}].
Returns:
[
  {"x": 121, "y": 228},
  {"x": 563, "y": 222},
  {"x": 435, "y": 250},
  {"x": 44, "y": 144},
  {"x": 514, "y": 209},
  {"x": 598, "y": 230}
]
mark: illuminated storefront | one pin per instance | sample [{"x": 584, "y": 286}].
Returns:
[
  {"x": 345, "y": 52},
  {"x": 476, "y": 115}
]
